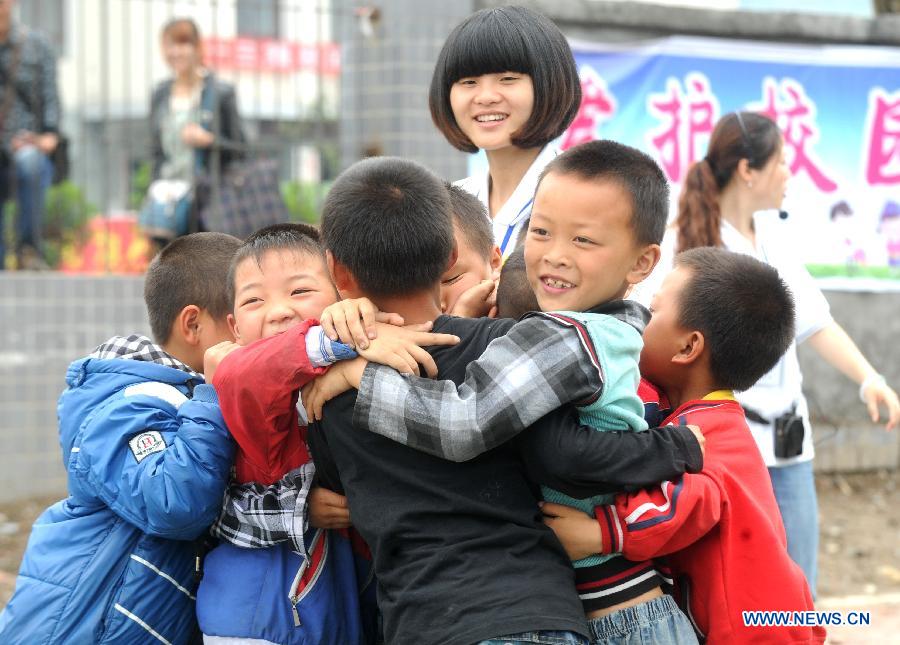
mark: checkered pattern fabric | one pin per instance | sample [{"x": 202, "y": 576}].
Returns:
[
  {"x": 537, "y": 366},
  {"x": 254, "y": 516},
  {"x": 249, "y": 199},
  {"x": 140, "y": 348}
]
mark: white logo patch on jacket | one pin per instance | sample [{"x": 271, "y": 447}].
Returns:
[
  {"x": 146, "y": 443},
  {"x": 168, "y": 393}
]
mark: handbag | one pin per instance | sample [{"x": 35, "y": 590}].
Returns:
[
  {"x": 248, "y": 198},
  {"x": 166, "y": 212},
  {"x": 247, "y": 195},
  {"x": 60, "y": 160}
]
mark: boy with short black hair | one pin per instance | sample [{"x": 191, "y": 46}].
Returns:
[
  {"x": 514, "y": 295},
  {"x": 468, "y": 286},
  {"x": 721, "y": 320},
  {"x": 441, "y": 532},
  {"x": 148, "y": 457}
]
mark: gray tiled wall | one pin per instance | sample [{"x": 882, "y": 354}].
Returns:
[
  {"x": 46, "y": 321},
  {"x": 385, "y": 79}
]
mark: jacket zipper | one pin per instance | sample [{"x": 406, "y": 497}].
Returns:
[{"x": 295, "y": 598}]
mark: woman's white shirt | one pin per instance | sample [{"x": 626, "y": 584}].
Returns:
[
  {"x": 776, "y": 392},
  {"x": 515, "y": 212}
]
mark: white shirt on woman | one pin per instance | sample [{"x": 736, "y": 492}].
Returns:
[
  {"x": 776, "y": 392},
  {"x": 508, "y": 222}
]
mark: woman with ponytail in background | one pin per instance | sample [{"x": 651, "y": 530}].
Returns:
[{"x": 744, "y": 172}]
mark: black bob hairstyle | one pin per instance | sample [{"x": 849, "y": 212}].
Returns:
[{"x": 509, "y": 39}]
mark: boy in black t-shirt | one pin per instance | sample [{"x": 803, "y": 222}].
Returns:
[{"x": 461, "y": 554}]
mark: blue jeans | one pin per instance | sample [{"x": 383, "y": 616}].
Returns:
[
  {"x": 32, "y": 172},
  {"x": 539, "y": 638},
  {"x": 795, "y": 492},
  {"x": 659, "y": 621}
]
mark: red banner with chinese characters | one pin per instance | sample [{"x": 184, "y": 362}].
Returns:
[{"x": 270, "y": 55}]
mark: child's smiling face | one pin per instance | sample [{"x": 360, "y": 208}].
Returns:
[
  {"x": 280, "y": 291},
  {"x": 581, "y": 249}
]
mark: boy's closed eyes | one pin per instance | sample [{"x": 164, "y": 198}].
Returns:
[{"x": 280, "y": 291}]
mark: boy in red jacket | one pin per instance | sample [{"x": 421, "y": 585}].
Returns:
[
  {"x": 281, "y": 286},
  {"x": 720, "y": 321},
  {"x": 314, "y": 588}
]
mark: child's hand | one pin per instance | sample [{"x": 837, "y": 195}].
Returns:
[
  {"x": 578, "y": 532},
  {"x": 698, "y": 435},
  {"x": 213, "y": 357},
  {"x": 353, "y": 321},
  {"x": 477, "y": 301},
  {"x": 401, "y": 348},
  {"x": 339, "y": 378},
  {"x": 327, "y": 509}
]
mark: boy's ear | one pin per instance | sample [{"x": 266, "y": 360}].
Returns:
[
  {"x": 644, "y": 264},
  {"x": 344, "y": 281},
  {"x": 187, "y": 325},
  {"x": 496, "y": 262},
  {"x": 232, "y": 325},
  {"x": 691, "y": 349}
]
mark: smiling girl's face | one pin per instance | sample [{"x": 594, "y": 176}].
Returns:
[{"x": 491, "y": 108}]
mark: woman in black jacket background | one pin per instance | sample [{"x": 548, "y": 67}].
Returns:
[{"x": 195, "y": 125}]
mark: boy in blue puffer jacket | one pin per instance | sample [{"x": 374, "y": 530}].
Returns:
[{"x": 148, "y": 459}]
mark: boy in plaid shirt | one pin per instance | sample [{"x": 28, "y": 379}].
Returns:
[{"x": 599, "y": 215}]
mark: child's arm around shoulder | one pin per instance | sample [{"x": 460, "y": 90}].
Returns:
[
  {"x": 536, "y": 367},
  {"x": 156, "y": 458}
]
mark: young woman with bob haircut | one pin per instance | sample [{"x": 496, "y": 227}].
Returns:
[
  {"x": 744, "y": 172},
  {"x": 505, "y": 82}
]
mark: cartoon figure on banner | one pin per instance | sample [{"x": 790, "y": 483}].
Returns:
[
  {"x": 786, "y": 103},
  {"x": 883, "y": 140},
  {"x": 686, "y": 114},
  {"x": 889, "y": 227},
  {"x": 597, "y": 105},
  {"x": 844, "y": 234}
]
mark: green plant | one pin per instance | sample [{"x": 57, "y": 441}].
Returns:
[
  {"x": 67, "y": 211},
  {"x": 140, "y": 182},
  {"x": 303, "y": 200}
]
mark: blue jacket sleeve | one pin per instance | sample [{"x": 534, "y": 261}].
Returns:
[{"x": 157, "y": 459}]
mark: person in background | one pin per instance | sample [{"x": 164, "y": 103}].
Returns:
[
  {"x": 194, "y": 121},
  {"x": 29, "y": 127},
  {"x": 505, "y": 82},
  {"x": 744, "y": 172}
]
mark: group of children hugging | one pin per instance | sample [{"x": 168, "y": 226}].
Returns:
[
  {"x": 519, "y": 496},
  {"x": 436, "y": 419}
]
